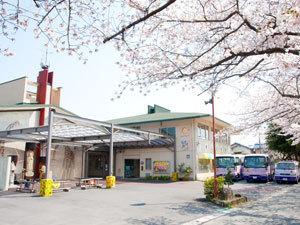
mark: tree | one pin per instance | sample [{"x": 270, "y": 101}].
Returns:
[
  {"x": 279, "y": 142},
  {"x": 268, "y": 106},
  {"x": 200, "y": 43}
]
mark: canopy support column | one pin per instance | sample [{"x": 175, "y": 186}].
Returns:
[
  {"x": 111, "y": 152},
  {"x": 175, "y": 154},
  {"x": 49, "y": 142}
]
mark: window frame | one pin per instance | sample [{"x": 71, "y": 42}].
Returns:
[
  {"x": 146, "y": 165},
  {"x": 203, "y": 131}
]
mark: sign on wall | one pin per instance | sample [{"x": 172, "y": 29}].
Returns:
[
  {"x": 184, "y": 143},
  {"x": 161, "y": 166},
  {"x": 185, "y": 131}
]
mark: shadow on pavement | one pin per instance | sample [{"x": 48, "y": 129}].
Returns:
[
  {"x": 195, "y": 208},
  {"x": 12, "y": 193},
  {"x": 278, "y": 210},
  {"x": 151, "y": 221}
]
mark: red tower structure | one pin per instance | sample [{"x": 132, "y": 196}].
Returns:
[{"x": 44, "y": 80}]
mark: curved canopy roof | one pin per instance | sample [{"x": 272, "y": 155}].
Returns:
[{"x": 74, "y": 130}]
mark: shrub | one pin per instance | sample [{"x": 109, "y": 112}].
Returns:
[
  {"x": 228, "y": 178},
  {"x": 188, "y": 171},
  {"x": 148, "y": 178},
  {"x": 209, "y": 187},
  {"x": 181, "y": 169}
]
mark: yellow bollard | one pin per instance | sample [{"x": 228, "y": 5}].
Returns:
[
  {"x": 174, "y": 176},
  {"x": 46, "y": 187},
  {"x": 110, "y": 181}
]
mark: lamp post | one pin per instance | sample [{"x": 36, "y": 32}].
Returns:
[{"x": 212, "y": 102}]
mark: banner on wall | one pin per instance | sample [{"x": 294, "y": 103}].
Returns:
[{"x": 161, "y": 166}]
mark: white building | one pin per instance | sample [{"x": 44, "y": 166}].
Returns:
[
  {"x": 238, "y": 148},
  {"x": 193, "y": 137}
]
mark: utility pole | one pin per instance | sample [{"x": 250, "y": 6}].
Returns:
[
  {"x": 212, "y": 102},
  {"x": 214, "y": 146}
]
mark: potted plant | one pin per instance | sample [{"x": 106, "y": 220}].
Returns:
[
  {"x": 187, "y": 172},
  {"x": 181, "y": 171}
]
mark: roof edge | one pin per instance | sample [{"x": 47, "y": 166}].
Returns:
[
  {"x": 162, "y": 120},
  {"x": 6, "y": 82},
  {"x": 35, "y": 106}
]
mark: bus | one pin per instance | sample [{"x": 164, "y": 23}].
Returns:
[
  {"x": 287, "y": 171},
  {"x": 229, "y": 162},
  {"x": 257, "y": 167}
]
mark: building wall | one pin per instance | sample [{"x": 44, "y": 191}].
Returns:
[
  {"x": 66, "y": 163},
  {"x": 204, "y": 148},
  {"x": 189, "y": 147},
  {"x": 241, "y": 150},
  {"x": 14, "y": 91},
  {"x": 55, "y": 96},
  {"x": 156, "y": 154},
  {"x": 16, "y": 120},
  {"x": 184, "y": 139}
]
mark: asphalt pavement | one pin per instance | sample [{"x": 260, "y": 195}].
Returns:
[
  {"x": 152, "y": 204},
  {"x": 270, "y": 204}
]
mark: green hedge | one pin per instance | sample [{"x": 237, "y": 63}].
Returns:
[
  {"x": 158, "y": 177},
  {"x": 209, "y": 187}
]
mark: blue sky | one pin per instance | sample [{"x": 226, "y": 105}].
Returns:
[{"x": 88, "y": 89}]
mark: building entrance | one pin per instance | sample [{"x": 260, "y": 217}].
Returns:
[
  {"x": 98, "y": 164},
  {"x": 132, "y": 168}
]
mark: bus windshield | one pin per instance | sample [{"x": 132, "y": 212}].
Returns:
[
  {"x": 285, "y": 166},
  {"x": 255, "y": 162},
  {"x": 225, "y": 162}
]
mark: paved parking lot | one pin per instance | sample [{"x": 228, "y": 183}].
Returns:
[
  {"x": 140, "y": 203},
  {"x": 278, "y": 207}
]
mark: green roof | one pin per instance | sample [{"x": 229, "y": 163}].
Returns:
[
  {"x": 158, "y": 113},
  {"x": 33, "y": 106},
  {"x": 156, "y": 117}
]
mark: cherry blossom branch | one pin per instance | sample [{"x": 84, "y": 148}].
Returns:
[
  {"x": 277, "y": 89},
  {"x": 49, "y": 11},
  {"x": 246, "y": 54},
  {"x": 154, "y": 12},
  {"x": 69, "y": 22}
]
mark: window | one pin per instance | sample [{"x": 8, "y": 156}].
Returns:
[
  {"x": 225, "y": 162},
  {"x": 285, "y": 166},
  {"x": 148, "y": 164},
  {"x": 255, "y": 162},
  {"x": 224, "y": 138},
  {"x": 170, "y": 131},
  {"x": 203, "y": 131},
  {"x": 136, "y": 127},
  {"x": 205, "y": 165},
  {"x": 218, "y": 135}
]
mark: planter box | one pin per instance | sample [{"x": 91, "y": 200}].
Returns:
[{"x": 230, "y": 203}]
